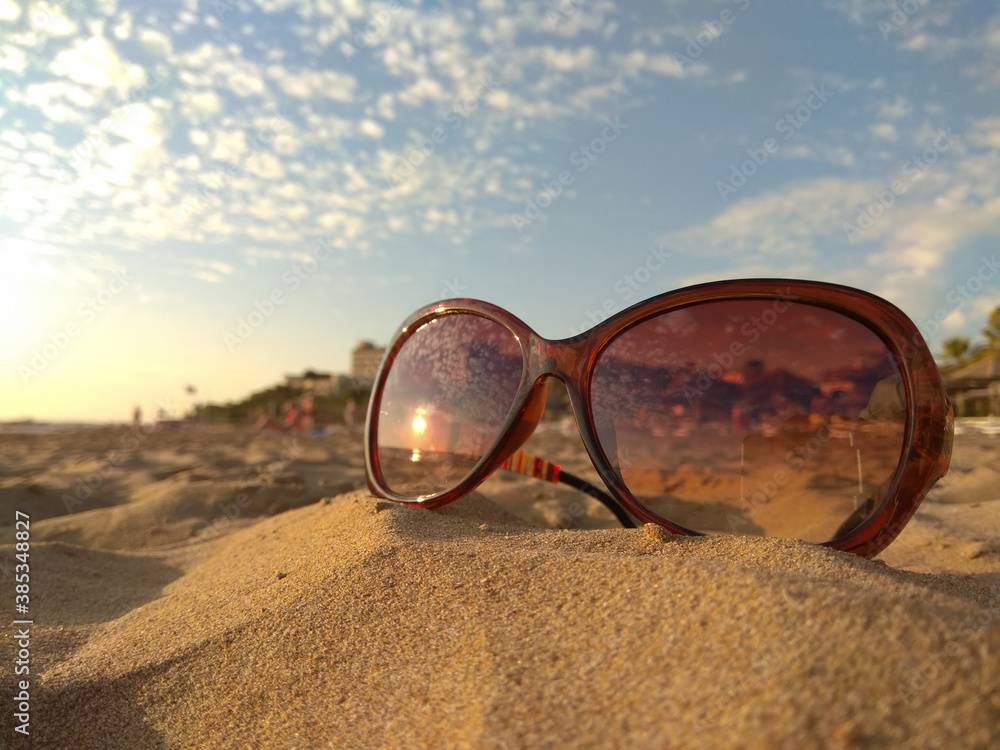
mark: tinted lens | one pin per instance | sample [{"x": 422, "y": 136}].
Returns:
[
  {"x": 760, "y": 417},
  {"x": 448, "y": 392}
]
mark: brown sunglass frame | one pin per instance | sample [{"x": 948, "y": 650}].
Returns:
[{"x": 929, "y": 420}]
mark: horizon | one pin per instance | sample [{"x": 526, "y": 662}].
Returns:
[{"x": 221, "y": 194}]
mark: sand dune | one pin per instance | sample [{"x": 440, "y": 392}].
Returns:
[{"x": 350, "y": 622}]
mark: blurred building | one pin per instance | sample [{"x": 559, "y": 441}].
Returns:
[
  {"x": 365, "y": 359},
  {"x": 317, "y": 383},
  {"x": 975, "y": 390}
]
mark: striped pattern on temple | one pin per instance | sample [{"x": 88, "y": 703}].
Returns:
[{"x": 525, "y": 463}]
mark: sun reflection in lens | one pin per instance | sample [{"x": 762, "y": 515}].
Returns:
[
  {"x": 419, "y": 425},
  {"x": 416, "y": 455}
]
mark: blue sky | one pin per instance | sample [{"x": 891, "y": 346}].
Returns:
[{"x": 168, "y": 169}]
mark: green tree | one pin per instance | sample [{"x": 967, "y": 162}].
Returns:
[
  {"x": 956, "y": 348},
  {"x": 992, "y": 334}
]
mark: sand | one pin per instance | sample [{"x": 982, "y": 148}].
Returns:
[{"x": 224, "y": 589}]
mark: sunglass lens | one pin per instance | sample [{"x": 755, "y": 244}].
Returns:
[
  {"x": 448, "y": 392},
  {"x": 765, "y": 417}
]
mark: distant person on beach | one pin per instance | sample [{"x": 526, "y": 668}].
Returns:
[
  {"x": 291, "y": 416},
  {"x": 137, "y": 416},
  {"x": 288, "y": 422},
  {"x": 349, "y": 409},
  {"x": 308, "y": 417}
]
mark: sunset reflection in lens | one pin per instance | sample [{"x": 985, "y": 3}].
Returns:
[
  {"x": 450, "y": 388},
  {"x": 765, "y": 417}
]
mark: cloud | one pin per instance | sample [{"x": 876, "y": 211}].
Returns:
[
  {"x": 143, "y": 127},
  {"x": 57, "y": 100},
  {"x": 265, "y": 165},
  {"x": 985, "y": 133},
  {"x": 287, "y": 144},
  {"x": 309, "y": 84},
  {"x": 96, "y": 62},
  {"x": 12, "y": 58},
  {"x": 123, "y": 29},
  {"x": 885, "y": 131},
  {"x": 371, "y": 128},
  {"x": 582, "y": 58},
  {"x": 9, "y": 11},
  {"x": 423, "y": 89},
  {"x": 50, "y": 19},
  {"x": 195, "y": 104},
  {"x": 199, "y": 137},
  {"x": 897, "y": 109},
  {"x": 228, "y": 146},
  {"x": 211, "y": 66},
  {"x": 156, "y": 42}
]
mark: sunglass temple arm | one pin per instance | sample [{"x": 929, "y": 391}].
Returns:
[{"x": 532, "y": 466}]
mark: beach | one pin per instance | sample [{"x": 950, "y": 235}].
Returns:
[{"x": 212, "y": 587}]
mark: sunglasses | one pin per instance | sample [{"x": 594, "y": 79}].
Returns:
[{"x": 769, "y": 407}]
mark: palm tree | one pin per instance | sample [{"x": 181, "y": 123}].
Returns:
[
  {"x": 992, "y": 334},
  {"x": 956, "y": 348}
]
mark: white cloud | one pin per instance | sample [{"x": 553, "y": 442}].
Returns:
[
  {"x": 385, "y": 108},
  {"x": 582, "y": 58},
  {"x": 885, "y": 131},
  {"x": 897, "y": 109},
  {"x": 210, "y": 66},
  {"x": 667, "y": 65},
  {"x": 423, "y": 89},
  {"x": 986, "y": 133},
  {"x": 228, "y": 145},
  {"x": 57, "y": 100},
  {"x": 287, "y": 144},
  {"x": 96, "y": 62},
  {"x": 156, "y": 42},
  {"x": 203, "y": 102},
  {"x": 9, "y": 11},
  {"x": 51, "y": 20},
  {"x": 264, "y": 165},
  {"x": 143, "y": 127},
  {"x": 14, "y": 138},
  {"x": 199, "y": 137},
  {"x": 371, "y": 128},
  {"x": 314, "y": 84},
  {"x": 12, "y": 58},
  {"x": 123, "y": 29},
  {"x": 191, "y": 163}
]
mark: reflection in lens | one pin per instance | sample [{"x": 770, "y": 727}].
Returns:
[
  {"x": 764, "y": 417},
  {"x": 450, "y": 389}
]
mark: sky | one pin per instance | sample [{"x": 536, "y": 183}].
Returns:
[{"x": 222, "y": 193}]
